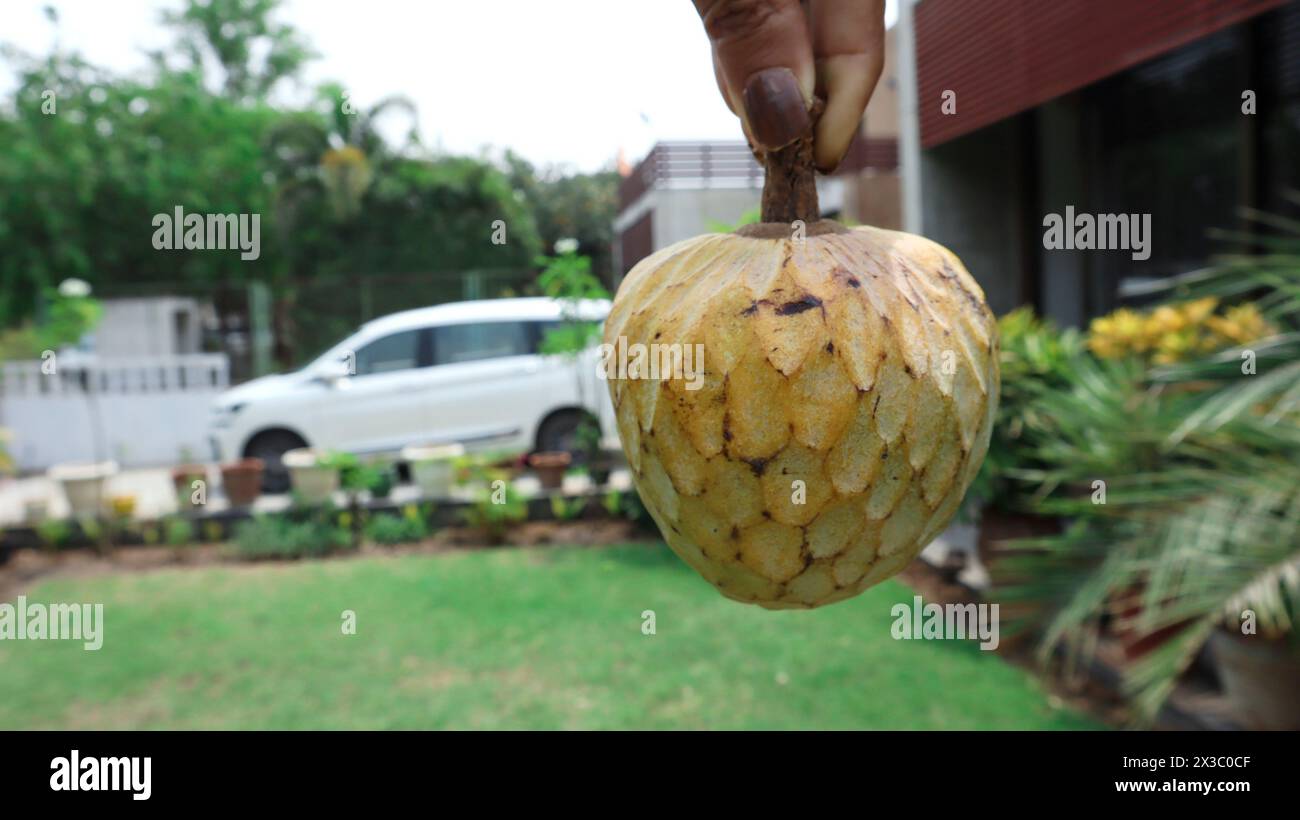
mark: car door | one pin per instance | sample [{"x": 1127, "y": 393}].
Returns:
[
  {"x": 484, "y": 388},
  {"x": 382, "y": 405}
]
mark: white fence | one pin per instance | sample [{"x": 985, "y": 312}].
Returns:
[{"x": 138, "y": 411}]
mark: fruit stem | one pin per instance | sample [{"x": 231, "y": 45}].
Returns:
[{"x": 790, "y": 188}]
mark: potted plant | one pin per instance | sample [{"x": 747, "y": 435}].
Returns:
[
  {"x": 83, "y": 485},
  {"x": 433, "y": 467},
  {"x": 599, "y": 462},
  {"x": 1192, "y": 460},
  {"x": 313, "y": 474},
  {"x": 550, "y": 467},
  {"x": 508, "y": 465},
  {"x": 567, "y": 278},
  {"x": 492, "y": 516},
  {"x": 242, "y": 481},
  {"x": 1260, "y": 675},
  {"x": 35, "y": 510},
  {"x": 377, "y": 479},
  {"x": 183, "y": 477}
]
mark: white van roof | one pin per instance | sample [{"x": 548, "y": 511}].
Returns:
[{"x": 534, "y": 308}]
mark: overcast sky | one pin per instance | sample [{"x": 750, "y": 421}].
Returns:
[{"x": 560, "y": 81}]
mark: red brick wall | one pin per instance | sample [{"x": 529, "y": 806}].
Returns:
[
  {"x": 637, "y": 242},
  {"x": 1001, "y": 57}
]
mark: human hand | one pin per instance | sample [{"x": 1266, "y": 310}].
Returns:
[{"x": 771, "y": 57}]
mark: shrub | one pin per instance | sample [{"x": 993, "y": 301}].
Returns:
[
  {"x": 1201, "y": 462},
  {"x": 178, "y": 531},
  {"x": 497, "y": 506},
  {"x": 54, "y": 532},
  {"x": 1036, "y": 359},
  {"x": 567, "y": 509},
  {"x": 278, "y": 536},
  {"x": 629, "y": 506},
  {"x": 396, "y": 529}
]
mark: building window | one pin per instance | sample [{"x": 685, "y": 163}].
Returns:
[
  {"x": 1278, "y": 106},
  {"x": 1167, "y": 140}
]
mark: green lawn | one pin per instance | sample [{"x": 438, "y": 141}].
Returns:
[{"x": 510, "y": 638}]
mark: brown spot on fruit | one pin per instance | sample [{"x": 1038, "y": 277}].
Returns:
[{"x": 799, "y": 306}]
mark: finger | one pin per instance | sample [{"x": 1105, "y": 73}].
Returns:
[
  {"x": 722, "y": 84},
  {"x": 848, "y": 39},
  {"x": 764, "y": 55},
  {"x": 722, "y": 89}
]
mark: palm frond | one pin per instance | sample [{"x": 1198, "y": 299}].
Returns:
[{"x": 1201, "y": 464}]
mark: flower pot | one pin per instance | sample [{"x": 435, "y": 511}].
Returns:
[
  {"x": 83, "y": 484},
  {"x": 510, "y": 465},
  {"x": 997, "y": 528},
  {"x": 1125, "y": 608},
  {"x": 1000, "y": 555},
  {"x": 183, "y": 478},
  {"x": 1260, "y": 678},
  {"x": 35, "y": 510},
  {"x": 313, "y": 482},
  {"x": 433, "y": 468},
  {"x": 550, "y": 467},
  {"x": 242, "y": 481}
]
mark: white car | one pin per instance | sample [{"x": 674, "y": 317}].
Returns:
[{"x": 466, "y": 372}]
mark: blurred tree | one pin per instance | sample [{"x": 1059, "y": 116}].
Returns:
[
  {"x": 349, "y": 206},
  {"x": 253, "y": 51},
  {"x": 570, "y": 206},
  {"x": 90, "y": 158},
  {"x": 334, "y": 149}
]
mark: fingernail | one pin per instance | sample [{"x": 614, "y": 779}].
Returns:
[{"x": 775, "y": 108}]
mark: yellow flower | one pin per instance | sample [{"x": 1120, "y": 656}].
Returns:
[
  {"x": 1173, "y": 333},
  {"x": 1198, "y": 310},
  {"x": 1240, "y": 325},
  {"x": 1174, "y": 347},
  {"x": 1164, "y": 319},
  {"x": 1104, "y": 347},
  {"x": 1118, "y": 334}
]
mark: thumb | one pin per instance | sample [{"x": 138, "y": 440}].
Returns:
[{"x": 763, "y": 57}]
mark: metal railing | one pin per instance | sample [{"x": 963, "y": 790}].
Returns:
[
  {"x": 732, "y": 165},
  {"x": 74, "y": 374},
  {"x": 692, "y": 165}
]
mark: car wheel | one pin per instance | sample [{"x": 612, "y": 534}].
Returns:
[
  {"x": 270, "y": 448},
  {"x": 559, "y": 433}
]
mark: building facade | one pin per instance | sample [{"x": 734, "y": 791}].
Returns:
[
  {"x": 684, "y": 189},
  {"x": 1181, "y": 112}
]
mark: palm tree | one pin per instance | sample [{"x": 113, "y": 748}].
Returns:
[{"x": 337, "y": 154}]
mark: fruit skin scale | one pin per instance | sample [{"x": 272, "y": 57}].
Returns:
[{"x": 861, "y": 362}]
